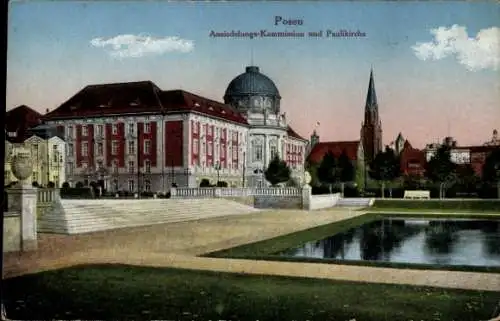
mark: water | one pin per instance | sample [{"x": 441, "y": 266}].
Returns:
[{"x": 434, "y": 241}]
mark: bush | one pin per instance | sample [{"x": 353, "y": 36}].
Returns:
[
  {"x": 79, "y": 185},
  {"x": 205, "y": 183},
  {"x": 147, "y": 194},
  {"x": 83, "y": 192},
  {"x": 35, "y": 184},
  {"x": 51, "y": 185},
  {"x": 221, "y": 184},
  {"x": 65, "y": 185}
]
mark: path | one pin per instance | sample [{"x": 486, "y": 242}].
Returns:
[{"x": 177, "y": 244}]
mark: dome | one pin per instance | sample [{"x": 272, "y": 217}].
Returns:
[{"x": 252, "y": 82}]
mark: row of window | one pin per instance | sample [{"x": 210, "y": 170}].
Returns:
[
  {"x": 208, "y": 149},
  {"x": 99, "y": 129},
  {"x": 114, "y": 167},
  {"x": 114, "y": 148},
  {"x": 209, "y": 131}
]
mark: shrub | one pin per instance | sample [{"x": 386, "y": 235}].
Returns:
[
  {"x": 82, "y": 192},
  {"x": 51, "y": 185},
  {"x": 221, "y": 184},
  {"x": 35, "y": 184},
  {"x": 205, "y": 183},
  {"x": 65, "y": 185},
  {"x": 79, "y": 185}
]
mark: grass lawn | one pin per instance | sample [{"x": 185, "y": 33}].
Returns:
[
  {"x": 266, "y": 250},
  {"x": 428, "y": 210},
  {"x": 492, "y": 205},
  {"x": 124, "y": 293}
]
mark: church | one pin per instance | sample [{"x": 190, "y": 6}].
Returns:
[
  {"x": 361, "y": 151},
  {"x": 137, "y": 137}
]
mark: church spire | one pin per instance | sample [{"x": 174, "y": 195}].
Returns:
[{"x": 371, "y": 96}]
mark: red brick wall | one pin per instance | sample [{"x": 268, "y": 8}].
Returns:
[{"x": 174, "y": 143}]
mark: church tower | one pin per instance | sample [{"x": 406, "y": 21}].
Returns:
[{"x": 371, "y": 128}]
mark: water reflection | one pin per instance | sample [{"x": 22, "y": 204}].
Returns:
[{"x": 456, "y": 242}]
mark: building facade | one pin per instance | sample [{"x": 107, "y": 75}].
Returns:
[
  {"x": 137, "y": 137},
  {"x": 48, "y": 157}
]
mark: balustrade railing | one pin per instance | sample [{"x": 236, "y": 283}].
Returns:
[
  {"x": 47, "y": 195},
  {"x": 205, "y": 192}
]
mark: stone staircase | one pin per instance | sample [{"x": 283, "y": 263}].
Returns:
[
  {"x": 81, "y": 216},
  {"x": 358, "y": 202}
]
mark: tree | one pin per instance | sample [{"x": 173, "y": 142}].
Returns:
[
  {"x": 345, "y": 169},
  {"x": 327, "y": 169},
  {"x": 440, "y": 169},
  {"x": 491, "y": 169},
  {"x": 467, "y": 178},
  {"x": 277, "y": 171},
  {"x": 312, "y": 168},
  {"x": 385, "y": 168}
]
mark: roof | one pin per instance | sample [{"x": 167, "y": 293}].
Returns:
[
  {"x": 251, "y": 82},
  {"x": 19, "y": 120},
  {"x": 136, "y": 98},
  {"x": 320, "y": 149},
  {"x": 371, "y": 96},
  {"x": 292, "y": 133}
]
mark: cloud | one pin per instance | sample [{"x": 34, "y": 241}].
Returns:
[
  {"x": 481, "y": 52},
  {"x": 134, "y": 46}
]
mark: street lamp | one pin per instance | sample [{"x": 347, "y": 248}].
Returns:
[{"x": 217, "y": 168}]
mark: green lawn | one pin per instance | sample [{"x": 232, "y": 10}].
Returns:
[{"x": 124, "y": 293}]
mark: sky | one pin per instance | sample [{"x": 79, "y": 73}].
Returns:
[{"x": 435, "y": 64}]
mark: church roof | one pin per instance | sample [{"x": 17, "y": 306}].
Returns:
[
  {"x": 371, "y": 96},
  {"x": 320, "y": 149}
]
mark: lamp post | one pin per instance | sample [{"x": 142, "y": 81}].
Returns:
[{"x": 217, "y": 168}]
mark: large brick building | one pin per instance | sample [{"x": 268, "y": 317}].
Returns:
[{"x": 137, "y": 137}]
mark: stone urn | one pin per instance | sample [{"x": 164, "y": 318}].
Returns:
[{"x": 21, "y": 166}]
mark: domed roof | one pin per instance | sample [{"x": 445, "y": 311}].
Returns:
[{"x": 252, "y": 82}]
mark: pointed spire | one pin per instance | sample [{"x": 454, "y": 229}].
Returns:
[{"x": 371, "y": 96}]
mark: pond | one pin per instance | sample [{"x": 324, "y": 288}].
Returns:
[{"x": 430, "y": 241}]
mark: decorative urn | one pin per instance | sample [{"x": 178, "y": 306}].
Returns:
[{"x": 22, "y": 166}]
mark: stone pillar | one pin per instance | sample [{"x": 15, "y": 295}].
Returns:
[
  {"x": 306, "y": 197},
  {"x": 217, "y": 192},
  {"x": 173, "y": 192},
  {"x": 22, "y": 199}
]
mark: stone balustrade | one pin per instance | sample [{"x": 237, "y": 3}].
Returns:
[
  {"x": 47, "y": 195},
  {"x": 207, "y": 192}
]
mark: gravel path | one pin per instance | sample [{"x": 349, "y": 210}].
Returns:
[{"x": 177, "y": 244}]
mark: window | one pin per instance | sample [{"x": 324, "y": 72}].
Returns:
[
  {"x": 131, "y": 167},
  {"x": 85, "y": 149},
  {"x": 70, "y": 150},
  {"x": 114, "y": 166},
  {"x": 100, "y": 149},
  {"x": 114, "y": 147},
  {"x": 100, "y": 130},
  {"x": 99, "y": 165},
  {"x": 274, "y": 151},
  {"x": 70, "y": 168},
  {"x": 147, "y": 165},
  {"x": 34, "y": 176},
  {"x": 209, "y": 151},
  {"x": 147, "y": 128},
  {"x": 131, "y": 147},
  {"x": 210, "y": 128},
  {"x": 147, "y": 147},
  {"x": 147, "y": 184},
  {"x": 85, "y": 130},
  {"x": 195, "y": 146},
  {"x": 195, "y": 128},
  {"x": 131, "y": 128},
  {"x": 235, "y": 154},
  {"x": 257, "y": 151},
  {"x": 114, "y": 129},
  {"x": 130, "y": 185},
  {"x": 70, "y": 131}
]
